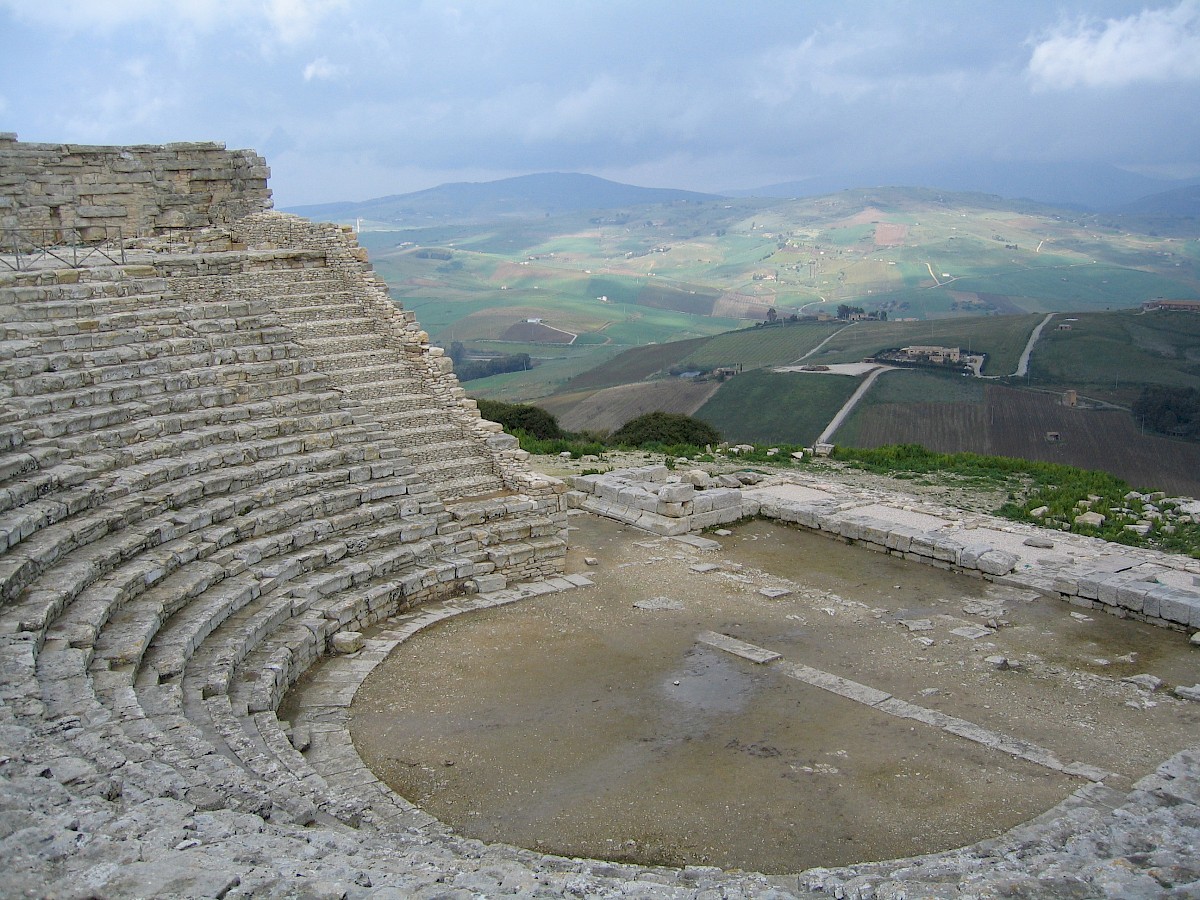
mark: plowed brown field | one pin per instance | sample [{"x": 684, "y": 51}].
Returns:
[{"x": 1015, "y": 423}]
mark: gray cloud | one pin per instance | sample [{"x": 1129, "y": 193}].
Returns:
[{"x": 378, "y": 97}]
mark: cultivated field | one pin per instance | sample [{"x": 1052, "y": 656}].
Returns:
[
  {"x": 1010, "y": 422},
  {"x": 758, "y": 347},
  {"x": 913, "y": 253},
  {"x": 772, "y": 407},
  {"x": 633, "y": 365},
  {"x": 609, "y": 409}
]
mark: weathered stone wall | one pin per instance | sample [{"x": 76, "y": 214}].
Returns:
[{"x": 75, "y": 191}]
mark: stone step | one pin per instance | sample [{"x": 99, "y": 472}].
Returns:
[
  {"x": 304, "y": 308},
  {"x": 454, "y": 486},
  {"x": 74, "y": 421},
  {"x": 426, "y": 456},
  {"x": 84, "y": 286},
  {"x": 163, "y": 511},
  {"x": 342, "y": 343},
  {"x": 351, "y": 360},
  {"x": 16, "y": 307},
  {"x": 321, "y": 430},
  {"x": 217, "y": 366},
  {"x": 164, "y": 435},
  {"x": 385, "y": 407},
  {"x": 150, "y": 357},
  {"x": 41, "y": 395},
  {"x": 347, "y": 326},
  {"x": 408, "y": 420}
]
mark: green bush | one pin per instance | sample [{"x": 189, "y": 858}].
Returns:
[
  {"x": 514, "y": 417},
  {"x": 666, "y": 429}
]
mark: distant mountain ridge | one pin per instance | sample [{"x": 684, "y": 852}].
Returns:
[
  {"x": 1181, "y": 202},
  {"x": 1092, "y": 186},
  {"x": 543, "y": 194}
]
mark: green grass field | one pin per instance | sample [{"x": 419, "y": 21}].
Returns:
[
  {"x": 1109, "y": 355},
  {"x": 770, "y": 407},
  {"x": 754, "y": 348}
]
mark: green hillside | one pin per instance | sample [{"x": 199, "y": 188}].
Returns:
[{"x": 769, "y": 407}]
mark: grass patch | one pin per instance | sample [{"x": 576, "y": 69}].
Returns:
[{"x": 1063, "y": 491}]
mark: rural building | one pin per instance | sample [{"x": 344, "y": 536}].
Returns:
[
  {"x": 937, "y": 355},
  {"x": 1176, "y": 305}
]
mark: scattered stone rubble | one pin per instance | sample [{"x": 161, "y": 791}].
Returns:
[{"x": 211, "y": 477}]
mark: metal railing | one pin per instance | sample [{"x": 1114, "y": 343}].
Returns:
[{"x": 25, "y": 248}]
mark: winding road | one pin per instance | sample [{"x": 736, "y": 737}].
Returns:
[
  {"x": 849, "y": 405},
  {"x": 1023, "y": 364}
]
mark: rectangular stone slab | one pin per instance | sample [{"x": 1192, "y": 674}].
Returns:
[
  {"x": 732, "y": 645},
  {"x": 835, "y": 684}
]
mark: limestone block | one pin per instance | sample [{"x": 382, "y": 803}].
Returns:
[
  {"x": 347, "y": 642},
  {"x": 1088, "y": 585},
  {"x": 724, "y": 498},
  {"x": 875, "y": 532},
  {"x": 672, "y": 510},
  {"x": 501, "y": 441},
  {"x": 676, "y": 493},
  {"x": 657, "y": 474},
  {"x": 487, "y": 584},
  {"x": 1092, "y": 519},
  {"x": 997, "y": 562},
  {"x": 609, "y": 489},
  {"x": 946, "y": 548},
  {"x": 1174, "y": 605}
]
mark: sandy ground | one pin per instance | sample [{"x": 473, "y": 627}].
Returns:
[{"x": 580, "y": 724}]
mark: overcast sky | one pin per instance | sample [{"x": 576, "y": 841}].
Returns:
[{"x": 352, "y": 99}]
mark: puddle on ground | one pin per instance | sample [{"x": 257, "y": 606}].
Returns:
[{"x": 579, "y": 725}]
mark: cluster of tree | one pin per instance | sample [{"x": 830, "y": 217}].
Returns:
[
  {"x": 845, "y": 311},
  {"x": 773, "y": 318},
  {"x": 1169, "y": 410},
  {"x": 468, "y": 369}
]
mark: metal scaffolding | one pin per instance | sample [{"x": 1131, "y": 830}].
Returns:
[{"x": 27, "y": 248}]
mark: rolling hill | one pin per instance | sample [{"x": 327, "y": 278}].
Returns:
[{"x": 544, "y": 194}]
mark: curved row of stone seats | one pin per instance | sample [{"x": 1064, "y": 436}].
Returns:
[
  {"x": 46, "y": 429},
  {"x": 118, "y": 618}
]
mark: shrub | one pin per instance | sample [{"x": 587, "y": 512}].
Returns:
[
  {"x": 533, "y": 420},
  {"x": 665, "y": 429}
]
